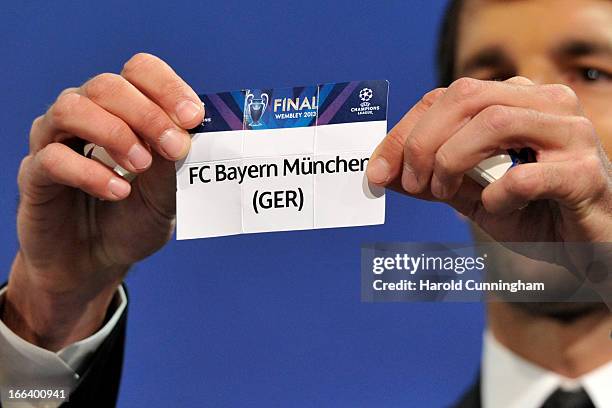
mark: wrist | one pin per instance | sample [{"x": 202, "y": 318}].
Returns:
[{"x": 49, "y": 318}]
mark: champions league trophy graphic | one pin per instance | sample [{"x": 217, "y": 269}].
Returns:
[{"x": 256, "y": 107}]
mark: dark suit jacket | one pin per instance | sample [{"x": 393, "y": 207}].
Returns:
[
  {"x": 99, "y": 385},
  {"x": 471, "y": 398}
]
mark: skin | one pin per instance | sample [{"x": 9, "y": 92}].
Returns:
[
  {"x": 567, "y": 125},
  {"x": 75, "y": 250},
  {"x": 538, "y": 332}
]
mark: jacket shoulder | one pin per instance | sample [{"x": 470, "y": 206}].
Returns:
[{"x": 471, "y": 397}]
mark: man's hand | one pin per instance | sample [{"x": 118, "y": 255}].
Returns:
[
  {"x": 80, "y": 225},
  {"x": 451, "y": 130}
]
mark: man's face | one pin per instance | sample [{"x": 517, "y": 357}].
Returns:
[{"x": 547, "y": 41}]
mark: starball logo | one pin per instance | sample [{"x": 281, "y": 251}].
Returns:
[
  {"x": 365, "y": 107},
  {"x": 365, "y": 95}
]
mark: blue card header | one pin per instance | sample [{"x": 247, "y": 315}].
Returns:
[{"x": 277, "y": 108}]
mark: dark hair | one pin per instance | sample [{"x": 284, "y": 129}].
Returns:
[{"x": 447, "y": 43}]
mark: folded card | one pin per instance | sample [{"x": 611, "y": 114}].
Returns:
[{"x": 283, "y": 159}]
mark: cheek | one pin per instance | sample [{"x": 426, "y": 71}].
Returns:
[
  {"x": 604, "y": 131},
  {"x": 596, "y": 109}
]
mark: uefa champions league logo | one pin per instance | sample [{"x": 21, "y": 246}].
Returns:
[
  {"x": 365, "y": 95},
  {"x": 365, "y": 107},
  {"x": 255, "y": 107}
]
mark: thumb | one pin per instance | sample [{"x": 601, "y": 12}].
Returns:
[
  {"x": 158, "y": 186},
  {"x": 385, "y": 165}
]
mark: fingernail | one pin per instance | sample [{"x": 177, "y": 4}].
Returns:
[
  {"x": 437, "y": 188},
  {"x": 173, "y": 143},
  {"x": 409, "y": 180},
  {"x": 187, "y": 110},
  {"x": 119, "y": 188},
  {"x": 139, "y": 157},
  {"x": 378, "y": 170}
]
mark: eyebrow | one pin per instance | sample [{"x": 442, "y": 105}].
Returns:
[
  {"x": 583, "y": 48},
  {"x": 493, "y": 56}
]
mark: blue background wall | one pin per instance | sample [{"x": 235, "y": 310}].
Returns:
[{"x": 268, "y": 319}]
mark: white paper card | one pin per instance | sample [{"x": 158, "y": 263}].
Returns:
[{"x": 283, "y": 159}]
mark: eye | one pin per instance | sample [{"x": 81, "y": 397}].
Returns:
[
  {"x": 501, "y": 78},
  {"x": 498, "y": 76},
  {"x": 491, "y": 74},
  {"x": 594, "y": 75}
]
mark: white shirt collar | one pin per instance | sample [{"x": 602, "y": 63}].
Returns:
[{"x": 510, "y": 381}]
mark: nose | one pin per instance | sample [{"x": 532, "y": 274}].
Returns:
[{"x": 540, "y": 71}]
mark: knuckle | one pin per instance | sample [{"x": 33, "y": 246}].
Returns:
[
  {"x": 155, "y": 121},
  {"x": 63, "y": 108},
  {"x": 102, "y": 86},
  {"x": 36, "y": 124},
  {"x": 67, "y": 91},
  {"x": 430, "y": 97},
  {"x": 591, "y": 181},
  {"x": 517, "y": 182},
  {"x": 413, "y": 147},
  {"x": 583, "y": 129},
  {"x": 395, "y": 140},
  {"x": 118, "y": 132},
  {"x": 497, "y": 118},
  {"x": 137, "y": 62},
  {"x": 444, "y": 163},
  {"x": 562, "y": 95},
  {"x": 551, "y": 179},
  {"x": 487, "y": 202},
  {"x": 517, "y": 79},
  {"x": 24, "y": 170},
  {"x": 592, "y": 166},
  {"x": 35, "y": 131},
  {"x": 174, "y": 88},
  {"x": 465, "y": 88},
  {"x": 49, "y": 158},
  {"x": 86, "y": 177}
]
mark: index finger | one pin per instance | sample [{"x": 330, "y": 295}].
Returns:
[
  {"x": 464, "y": 99},
  {"x": 157, "y": 80},
  {"x": 385, "y": 165}
]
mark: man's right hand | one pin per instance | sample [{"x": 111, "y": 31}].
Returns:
[
  {"x": 567, "y": 192},
  {"x": 80, "y": 225}
]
